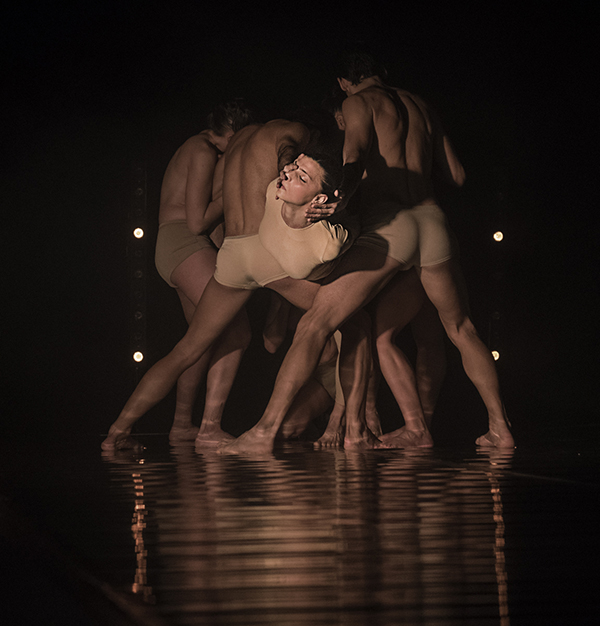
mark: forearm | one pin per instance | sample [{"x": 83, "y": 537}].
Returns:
[
  {"x": 353, "y": 172},
  {"x": 205, "y": 222}
]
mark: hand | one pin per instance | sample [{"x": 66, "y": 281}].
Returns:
[
  {"x": 321, "y": 210},
  {"x": 283, "y": 173}
]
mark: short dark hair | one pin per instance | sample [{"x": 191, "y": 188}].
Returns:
[
  {"x": 232, "y": 115},
  {"x": 356, "y": 66},
  {"x": 333, "y": 101},
  {"x": 331, "y": 163}
]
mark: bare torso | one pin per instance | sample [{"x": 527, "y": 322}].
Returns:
[
  {"x": 253, "y": 159},
  {"x": 196, "y": 159},
  {"x": 403, "y": 146}
]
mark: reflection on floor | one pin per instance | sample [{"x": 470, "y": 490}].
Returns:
[{"x": 429, "y": 537}]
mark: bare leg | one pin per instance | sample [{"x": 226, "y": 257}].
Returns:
[
  {"x": 428, "y": 333},
  {"x": 355, "y": 374},
  {"x": 312, "y": 401},
  {"x": 187, "y": 387},
  {"x": 371, "y": 413},
  {"x": 225, "y": 360},
  {"x": 333, "y": 437},
  {"x": 276, "y": 324},
  {"x": 395, "y": 306},
  {"x": 360, "y": 275},
  {"x": 222, "y": 360},
  {"x": 217, "y": 308},
  {"x": 445, "y": 287}
]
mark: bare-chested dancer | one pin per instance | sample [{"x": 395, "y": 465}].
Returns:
[
  {"x": 399, "y": 142},
  {"x": 253, "y": 159},
  {"x": 401, "y": 301},
  {"x": 185, "y": 258}
]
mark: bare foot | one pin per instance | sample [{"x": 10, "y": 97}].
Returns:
[
  {"x": 365, "y": 441},
  {"x": 253, "y": 441},
  {"x": 212, "y": 437},
  {"x": 496, "y": 440},
  {"x": 293, "y": 427},
  {"x": 120, "y": 440},
  {"x": 331, "y": 438},
  {"x": 179, "y": 434},
  {"x": 373, "y": 422},
  {"x": 404, "y": 438}
]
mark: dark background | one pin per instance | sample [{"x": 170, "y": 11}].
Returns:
[{"x": 91, "y": 89}]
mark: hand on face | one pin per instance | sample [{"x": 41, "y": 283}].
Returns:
[
  {"x": 283, "y": 174},
  {"x": 321, "y": 210}
]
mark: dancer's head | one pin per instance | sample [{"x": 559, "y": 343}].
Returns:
[
  {"x": 226, "y": 119},
  {"x": 313, "y": 177}
]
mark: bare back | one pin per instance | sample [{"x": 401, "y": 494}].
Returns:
[
  {"x": 253, "y": 159},
  {"x": 188, "y": 177},
  {"x": 401, "y": 141}
]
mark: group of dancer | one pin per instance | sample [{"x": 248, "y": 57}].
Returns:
[{"x": 284, "y": 199}]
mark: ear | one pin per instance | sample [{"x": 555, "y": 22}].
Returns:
[
  {"x": 319, "y": 199},
  {"x": 343, "y": 83}
]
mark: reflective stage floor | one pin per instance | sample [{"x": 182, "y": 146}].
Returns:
[{"x": 437, "y": 537}]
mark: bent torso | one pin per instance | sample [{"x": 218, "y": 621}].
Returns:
[
  {"x": 173, "y": 189},
  {"x": 252, "y": 160}
]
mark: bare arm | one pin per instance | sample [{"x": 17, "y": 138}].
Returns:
[
  {"x": 200, "y": 212},
  {"x": 358, "y": 138},
  {"x": 294, "y": 141},
  {"x": 446, "y": 165}
]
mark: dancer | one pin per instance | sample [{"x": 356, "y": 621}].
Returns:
[
  {"x": 185, "y": 258},
  {"x": 402, "y": 301},
  {"x": 254, "y": 157},
  {"x": 394, "y": 138}
]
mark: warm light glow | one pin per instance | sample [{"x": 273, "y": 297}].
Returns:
[
  {"x": 495, "y": 354},
  {"x": 138, "y": 233},
  {"x": 138, "y": 356},
  {"x": 498, "y": 235}
]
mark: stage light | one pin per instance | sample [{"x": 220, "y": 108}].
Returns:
[
  {"x": 138, "y": 356},
  {"x": 138, "y": 233},
  {"x": 495, "y": 354},
  {"x": 498, "y": 235}
]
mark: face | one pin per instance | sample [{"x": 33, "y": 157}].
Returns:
[{"x": 301, "y": 181}]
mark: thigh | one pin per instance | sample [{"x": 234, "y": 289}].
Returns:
[
  {"x": 217, "y": 308},
  {"x": 300, "y": 293},
  {"x": 192, "y": 275},
  {"x": 357, "y": 279},
  {"x": 398, "y": 302},
  {"x": 445, "y": 287}
]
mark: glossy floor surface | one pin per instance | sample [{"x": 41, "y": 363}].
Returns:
[{"x": 435, "y": 537}]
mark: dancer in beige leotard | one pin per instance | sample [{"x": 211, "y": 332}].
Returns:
[{"x": 254, "y": 157}]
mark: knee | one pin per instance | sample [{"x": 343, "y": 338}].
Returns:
[
  {"x": 313, "y": 325},
  {"x": 462, "y": 332}
]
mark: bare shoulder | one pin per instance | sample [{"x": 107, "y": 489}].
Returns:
[
  {"x": 360, "y": 105},
  {"x": 199, "y": 144},
  {"x": 284, "y": 129}
]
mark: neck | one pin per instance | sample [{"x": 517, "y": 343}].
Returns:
[
  {"x": 293, "y": 215},
  {"x": 366, "y": 82}
]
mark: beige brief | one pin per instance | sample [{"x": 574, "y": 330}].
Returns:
[
  {"x": 174, "y": 244},
  {"x": 243, "y": 263},
  {"x": 414, "y": 236}
]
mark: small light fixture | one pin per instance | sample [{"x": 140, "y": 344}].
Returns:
[
  {"x": 498, "y": 235},
  {"x": 138, "y": 233},
  {"x": 138, "y": 356},
  {"x": 495, "y": 354}
]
